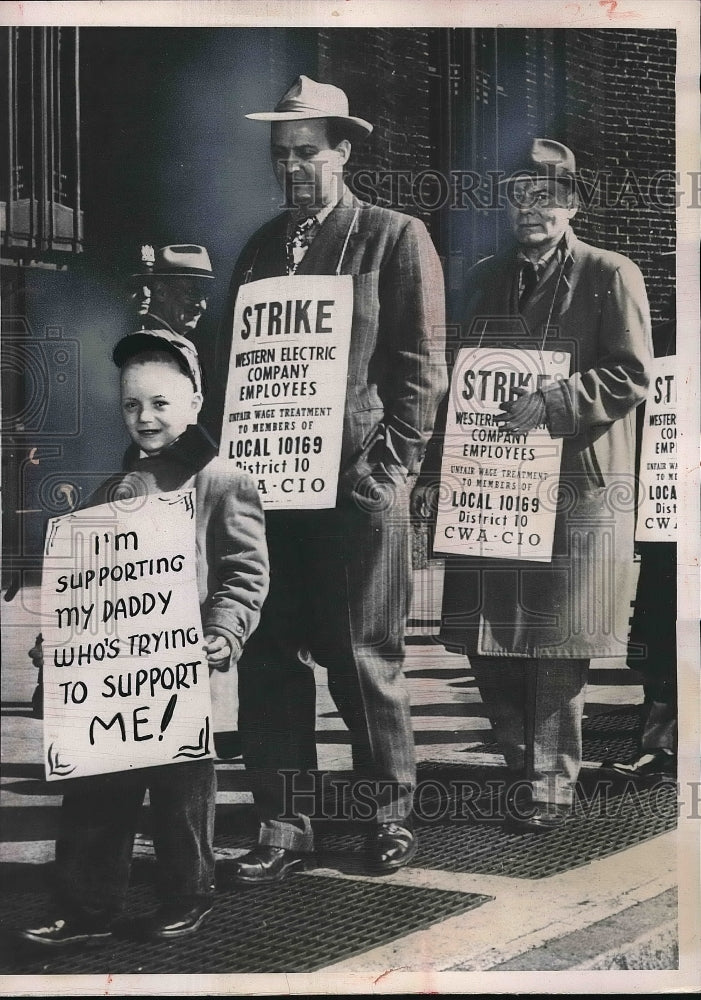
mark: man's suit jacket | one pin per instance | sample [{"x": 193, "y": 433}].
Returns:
[{"x": 396, "y": 369}]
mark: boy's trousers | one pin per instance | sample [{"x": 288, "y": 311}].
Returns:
[{"x": 99, "y": 819}]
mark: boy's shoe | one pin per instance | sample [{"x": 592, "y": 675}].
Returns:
[
  {"x": 63, "y": 933},
  {"x": 173, "y": 921}
]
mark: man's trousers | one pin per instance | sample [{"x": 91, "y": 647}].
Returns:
[
  {"x": 653, "y": 643},
  {"x": 340, "y": 589},
  {"x": 536, "y": 707}
]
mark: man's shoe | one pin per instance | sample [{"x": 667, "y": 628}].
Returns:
[
  {"x": 650, "y": 764},
  {"x": 63, "y": 933},
  {"x": 389, "y": 847},
  {"x": 173, "y": 921},
  {"x": 266, "y": 864},
  {"x": 543, "y": 818}
]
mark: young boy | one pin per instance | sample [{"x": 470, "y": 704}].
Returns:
[{"x": 161, "y": 397}]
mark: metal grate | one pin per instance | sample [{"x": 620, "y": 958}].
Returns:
[
  {"x": 611, "y": 735},
  {"x": 468, "y": 834},
  {"x": 302, "y": 925},
  {"x": 460, "y": 819}
]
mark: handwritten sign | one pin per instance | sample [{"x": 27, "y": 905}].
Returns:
[
  {"x": 126, "y": 683},
  {"x": 286, "y": 390},
  {"x": 497, "y": 489},
  {"x": 657, "y": 511}
]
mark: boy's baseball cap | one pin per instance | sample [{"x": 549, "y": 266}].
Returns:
[{"x": 179, "y": 348}]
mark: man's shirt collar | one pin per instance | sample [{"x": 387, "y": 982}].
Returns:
[
  {"x": 561, "y": 248},
  {"x": 320, "y": 216}
]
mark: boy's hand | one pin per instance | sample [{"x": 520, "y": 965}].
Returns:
[{"x": 218, "y": 652}]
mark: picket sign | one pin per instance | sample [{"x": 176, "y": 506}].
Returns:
[
  {"x": 659, "y": 457},
  {"x": 498, "y": 491},
  {"x": 286, "y": 389},
  {"x": 126, "y": 682}
]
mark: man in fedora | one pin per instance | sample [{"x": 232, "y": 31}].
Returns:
[
  {"x": 140, "y": 285},
  {"x": 653, "y": 628},
  {"x": 179, "y": 278},
  {"x": 530, "y": 628},
  {"x": 340, "y": 577},
  {"x": 171, "y": 294}
]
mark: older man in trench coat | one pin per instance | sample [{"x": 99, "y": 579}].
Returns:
[{"x": 530, "y": 629}]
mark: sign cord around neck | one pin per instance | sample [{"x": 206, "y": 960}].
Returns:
[
  {"x": 351, "y": 227},
  {"x": 561, "y": 271}
]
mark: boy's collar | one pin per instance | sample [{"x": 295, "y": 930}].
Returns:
[{"x": 193, "y": 449}]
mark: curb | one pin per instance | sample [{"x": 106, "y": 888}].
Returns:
[{"x": 640, "y": 937}]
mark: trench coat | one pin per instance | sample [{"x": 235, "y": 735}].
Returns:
[{"x": 592, "y": 304}]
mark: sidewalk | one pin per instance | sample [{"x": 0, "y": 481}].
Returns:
[{"x": 601, "y": 895}]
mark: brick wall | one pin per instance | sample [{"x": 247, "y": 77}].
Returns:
[
  {"x": 619, "y": 107},
  {"x": 385, "y": 74},
  {"x": 607, "y": 93},
  {"x": 539, "y": 82}
]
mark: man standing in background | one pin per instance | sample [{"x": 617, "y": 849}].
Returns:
[
  {"x": 653, "y": 635},
  {"x": 179, "y": 280},
  {"x": 530, "y": 628},
  {"x": 173, "y": 289}
]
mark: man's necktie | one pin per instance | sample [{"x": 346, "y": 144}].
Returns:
[
  {"x": 529, "y": 279},
  {"x": 298, "y": 240}
]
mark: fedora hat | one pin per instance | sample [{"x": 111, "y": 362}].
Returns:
[
  {"x": 183, "y": 351},
  {"x": 308, "y": 99},
  {"x": 176, "y": 261},
  {"x": 544, "y": 158}
]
